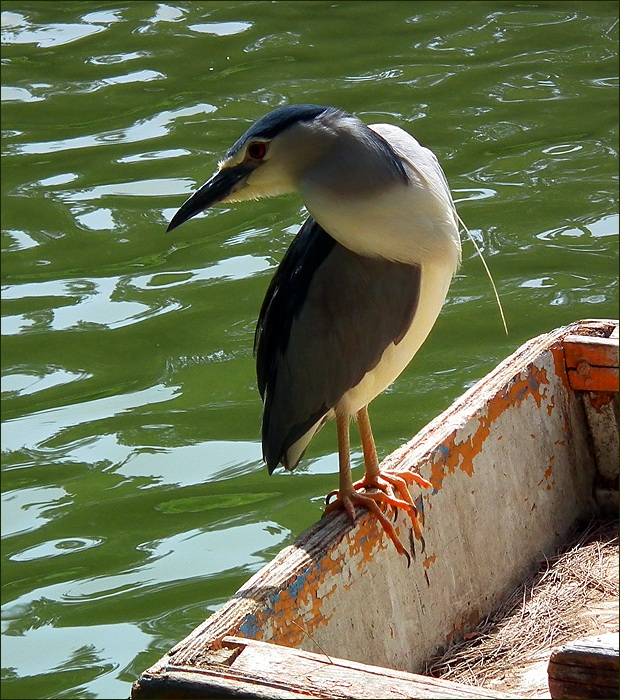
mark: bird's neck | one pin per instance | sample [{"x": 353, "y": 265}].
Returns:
[{"x": 400, "y": 223}]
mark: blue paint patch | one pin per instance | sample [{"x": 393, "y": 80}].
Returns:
[
  {"x": 521, "y": 394},
  {"x": 364, "y": 540},
  {"x": 249, "y": 628},
  {"x": 273, "y": 599},
  {"x": 443, "y": 451},
  {"x": 299, "y": 583}
]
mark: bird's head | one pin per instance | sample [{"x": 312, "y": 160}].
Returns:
[
  {"x": 308, "y": 148},
  {"x": 266, "y": 161}
]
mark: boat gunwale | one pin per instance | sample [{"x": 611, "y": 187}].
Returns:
[{"x": 215, "y": 633}]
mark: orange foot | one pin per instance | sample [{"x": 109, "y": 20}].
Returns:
[
  {"x": 385, "y": 483},
  {"x": 397, "y": 481},
  {"x": 350, "y": 500}
]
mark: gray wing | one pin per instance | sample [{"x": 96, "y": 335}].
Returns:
[{"x": 328, "y": 316}]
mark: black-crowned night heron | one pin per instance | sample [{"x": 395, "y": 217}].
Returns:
[{"x": 358, "y": 290}]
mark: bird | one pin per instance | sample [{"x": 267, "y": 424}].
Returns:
[{"x": 356, "y": 293}]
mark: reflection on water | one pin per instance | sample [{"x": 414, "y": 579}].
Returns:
[
  {"x": 134, "y": 499},
  {"x": 143, "y": 130}
]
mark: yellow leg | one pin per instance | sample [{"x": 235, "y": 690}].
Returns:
[{"x": 371, "y": 460}]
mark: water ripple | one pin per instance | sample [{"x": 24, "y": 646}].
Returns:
[
  {"x": 56, "y": 548},
  {"x": 16, "y": 29},
  {"x": 143, "y": 130},
  {"x": 135, "y": 501},
  {"x": 83, "y": 303}
]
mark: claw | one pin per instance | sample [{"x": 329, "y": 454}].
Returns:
[
  {"x": 387, "y": 482},
  {"x": 370, "y": 501},
  {"x": 330, "y": 495},
  {"x": 389, "y": 489}
]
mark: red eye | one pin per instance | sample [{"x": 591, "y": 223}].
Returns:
[{"x": 257, "y": 150}]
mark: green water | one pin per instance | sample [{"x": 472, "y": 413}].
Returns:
[{"x": 134, "y": 499}]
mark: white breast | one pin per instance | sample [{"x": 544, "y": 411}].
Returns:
[{"x": 414, "y": 223}]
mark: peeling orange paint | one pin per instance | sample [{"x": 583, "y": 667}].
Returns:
[
  {"x": 364, "y": 539},
  {"x": 530, "y": 383},
  {"x": 283, "y": 618},
  {"x": 298, "y": 609},
  {"x": 548, "y": 473},
  {"x": 559, "y": 361},
  {"x": 598, "y": 399},
  {"x": 428, "y": 561}
]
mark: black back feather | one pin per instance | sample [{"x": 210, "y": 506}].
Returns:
[{"x": 327, "y": 318}]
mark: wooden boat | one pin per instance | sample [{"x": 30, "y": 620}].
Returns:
[{"x": 514, "y": 462}]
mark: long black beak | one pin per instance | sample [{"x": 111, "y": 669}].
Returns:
[{"x": 217, "y": 187}]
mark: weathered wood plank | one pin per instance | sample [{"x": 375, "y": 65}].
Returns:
[
  {"x": 192, "y": 683},
  {"x": 592, "y": 370},
  {"x": 592, "y": 363},
  {"x": 262, "y": 670},
  {"x": 593, "y": 379},
  {"x": 330, "y": 677},
  {"x": 586, "y": 668},
  {"x": 601, "y": 352}
]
